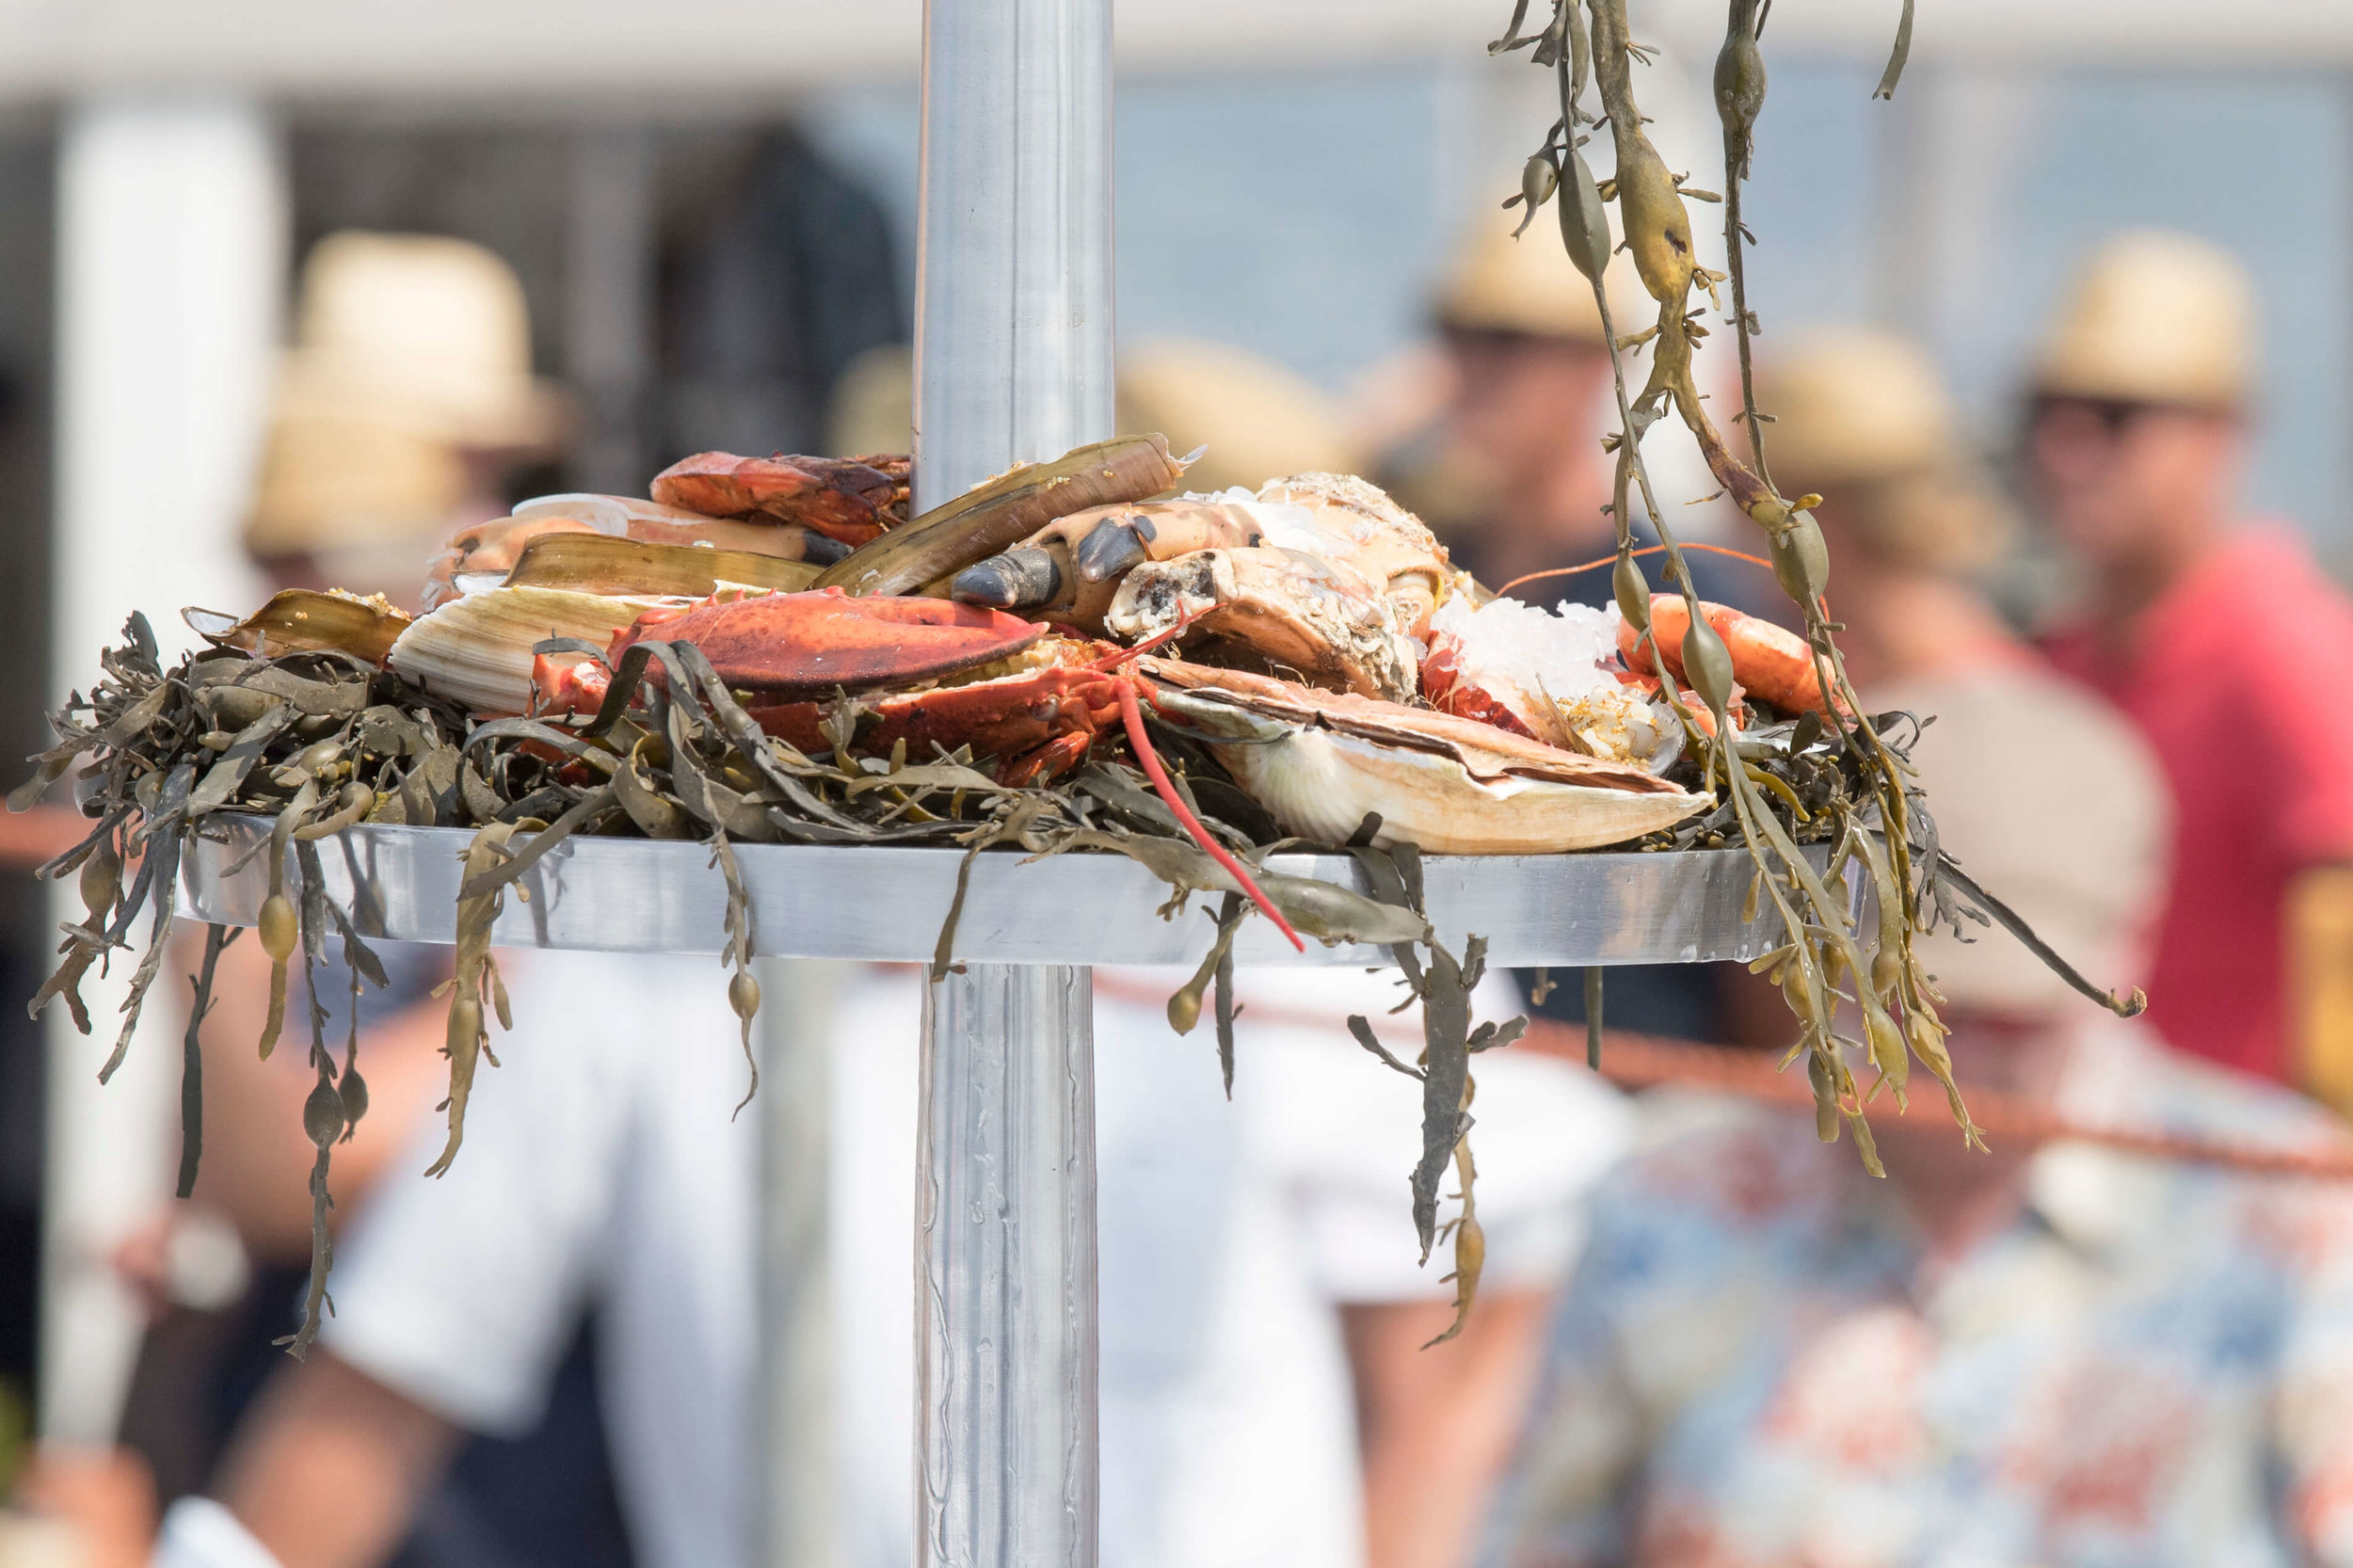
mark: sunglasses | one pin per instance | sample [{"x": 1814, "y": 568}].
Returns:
[{"x": 2114, "y": 415}]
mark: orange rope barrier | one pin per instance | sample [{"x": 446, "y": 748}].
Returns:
[
  {"x": 1644, "y": 1062},
  {"x": 1633, "y": 1060}
]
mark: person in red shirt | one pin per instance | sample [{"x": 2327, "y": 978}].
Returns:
[{"x": 2220, "y": 639}]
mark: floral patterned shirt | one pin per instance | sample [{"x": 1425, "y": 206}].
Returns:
[{"x": 2152, "y": 1363}]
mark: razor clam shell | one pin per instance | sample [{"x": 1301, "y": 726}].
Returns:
[
  {"x": 602, "y": 564},
  {"x": 1001, "y": 512},
  {"x": 477, "y": 650},
  {"x": 298, "y": 619}
]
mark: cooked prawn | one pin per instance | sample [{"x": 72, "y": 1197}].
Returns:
[{"x": 1771, "y": 662}]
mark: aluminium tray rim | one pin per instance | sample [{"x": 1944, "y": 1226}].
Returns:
[{"x": 885, "y": 902}]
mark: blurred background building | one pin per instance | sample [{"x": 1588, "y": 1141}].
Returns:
[{"x": 711, "y": 207}]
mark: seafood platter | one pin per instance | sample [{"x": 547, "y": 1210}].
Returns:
[
  {"x": 1052, "y": 710},
  {"x": 1288, "y": 702}
]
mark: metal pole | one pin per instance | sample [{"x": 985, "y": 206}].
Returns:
[
  {"x": 1013, "y": 358},
  {"x": 1004, "y": 1214},
  {"x": 608, "y": 300}
]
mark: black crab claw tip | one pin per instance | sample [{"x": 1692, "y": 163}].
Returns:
[
  {"x": 823, "y": 550},
  {"x": 1110, "y": 548},
  {"x": 1016, "y": 580}
]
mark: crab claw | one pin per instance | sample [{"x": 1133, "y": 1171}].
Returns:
[
  {"x": 1070, "y": 569},
  {"x": 1110, "y": 548},
  {"x": 810, "y": 643},
  {"x": 1021, "y": 577}
]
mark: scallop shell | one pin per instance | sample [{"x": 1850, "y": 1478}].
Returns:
[
  {"x": 1319, "y": 763},
  {"x": 477, "y": 650}
]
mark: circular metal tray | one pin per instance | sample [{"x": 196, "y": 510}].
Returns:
[{"x": 884, "y": 903}]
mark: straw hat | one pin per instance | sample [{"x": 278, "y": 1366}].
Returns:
[
  {"x": 1258, "y": 420},
  {"x": 1501, "y": 284},
  {"x": 1861, "y": 417},
  {"x": 2155, "y": 317},
  {"x": 410, "y": 350}
]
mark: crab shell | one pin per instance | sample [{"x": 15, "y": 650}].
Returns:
[
  {"x": 1319, "y": 763},
  {"x": 849, "y": 498}
]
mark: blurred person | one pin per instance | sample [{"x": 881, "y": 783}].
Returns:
[
  {"x": 1498, "y": 442},
  {"x": 1268, "y": 419},
  {"x": 775, "y": 273},
  {"x": 2070, "y": 1355},
  {"x": 601, "y": 1165},
  {"x": 2198, "y": 626},
  {"x": 2065, "y": 1355},
  {"x": 74, "y": 1507},
  {"x": 1863, "y": 418},
  {"x": 404, "y": 406},
  {"x": 1508, "y": 467}
]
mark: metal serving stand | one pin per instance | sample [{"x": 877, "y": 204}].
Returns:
[{"x": 1013, "y": 361}]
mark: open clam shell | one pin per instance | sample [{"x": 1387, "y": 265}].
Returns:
[
  {"x": 477, "y": 650},
  {"x": 1319, "y": 762}
]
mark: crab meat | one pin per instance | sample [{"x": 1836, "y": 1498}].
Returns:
[
  {"x": 1543, "y": 674},
  {"x": 1271, "y": 609},
  {"x": 1341, "y": 518},
  {"x": 1071, "y": 570},
  {"x": 1320, "y": 763}
]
